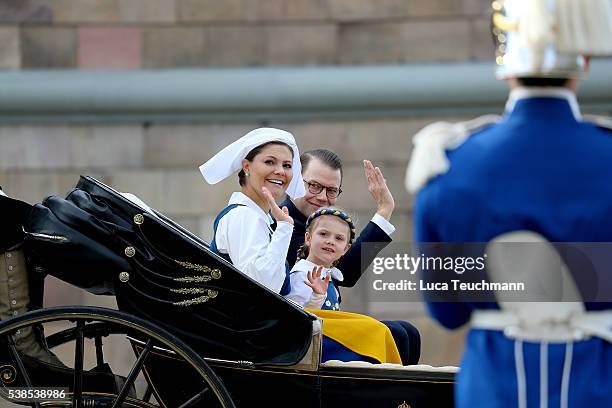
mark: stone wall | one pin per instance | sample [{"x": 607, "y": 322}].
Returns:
[
  {"x": 159, "y": 162},
  {"x": 134, "y": 34}
]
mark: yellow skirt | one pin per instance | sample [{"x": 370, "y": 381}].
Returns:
[{"x": 362, "y": 334}]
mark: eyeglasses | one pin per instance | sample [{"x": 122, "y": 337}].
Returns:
[{"x": 316, "y": 188}]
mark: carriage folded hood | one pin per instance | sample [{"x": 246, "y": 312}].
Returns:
[{"x": 163, "y": 273}]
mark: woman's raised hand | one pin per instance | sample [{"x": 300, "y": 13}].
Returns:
[
  {"x": 278, "y": 213},
  {"x": 315, "y": 282}
]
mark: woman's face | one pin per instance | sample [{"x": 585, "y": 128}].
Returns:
[{"x": 271, "y": 168}]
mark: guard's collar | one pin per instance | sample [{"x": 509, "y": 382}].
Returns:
[{"x": 547, "y": 92}]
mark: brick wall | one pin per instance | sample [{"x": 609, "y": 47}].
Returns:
[{"x": 133, "y": 34}]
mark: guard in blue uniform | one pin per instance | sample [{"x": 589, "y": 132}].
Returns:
[{"x": 541, "y": 167}]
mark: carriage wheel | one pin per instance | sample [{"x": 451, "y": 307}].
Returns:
[{"x": 101, "y": 387}]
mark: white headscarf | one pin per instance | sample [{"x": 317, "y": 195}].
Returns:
[{"x": 229, "y": 160}]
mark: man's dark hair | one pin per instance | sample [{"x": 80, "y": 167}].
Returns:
[
  {"x": 325, "y": 156},
  {"x": 542, "y": 82},
  {"x": 255, "y": 152}
]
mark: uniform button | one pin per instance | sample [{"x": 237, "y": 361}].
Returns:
[
  {"x": 13, "y": 302},
  {"x": 9, "y": 255},
  {"x": 11, "y": 268},
  {"x": 15, "y": 313},
  {"x": 18, "y": 332}
]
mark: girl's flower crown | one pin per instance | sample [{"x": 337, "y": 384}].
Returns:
[{"x": 335, "y": 212}]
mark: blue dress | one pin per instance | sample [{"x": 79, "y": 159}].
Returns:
[{"x": 541, "y": 168}]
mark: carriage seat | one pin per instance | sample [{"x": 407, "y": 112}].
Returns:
[
  {"x": 417, "y": 368},
  {"x": 386, "y": 366}
]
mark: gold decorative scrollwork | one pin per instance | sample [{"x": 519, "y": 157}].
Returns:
[
  {"x": 215, "y": 273},
  {"x": 194, "y": 301},
  {"x": 193, "y": 279},
  {"x": 195, "y": 291}
]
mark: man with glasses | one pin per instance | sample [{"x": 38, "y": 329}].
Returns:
[{"x": 322, "y": 174}]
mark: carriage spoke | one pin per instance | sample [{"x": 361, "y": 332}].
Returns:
[
  {"x": 148, "y": 393},
  {"x": 22, "y": 370},
  {"x": 99, "y": 351},
  {"x": 195, "y": 399},
  {"x": 77, "y": 391},
  {"x": 133, "y": 374}
]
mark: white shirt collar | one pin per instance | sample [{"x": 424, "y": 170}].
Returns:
[
  {"x": 239, "y": 197},
  {"x": 546, "y": 92},
  {"x": 305, "y": 265}
]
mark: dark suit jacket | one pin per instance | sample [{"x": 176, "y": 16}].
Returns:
[{"x": 355, "y": 261}]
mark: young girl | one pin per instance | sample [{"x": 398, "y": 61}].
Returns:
[{"x": 329, "y": 234}]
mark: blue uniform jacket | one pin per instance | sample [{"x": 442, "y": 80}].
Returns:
[{"x": 543, "y": 169}]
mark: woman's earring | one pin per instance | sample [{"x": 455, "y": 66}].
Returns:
[{"x": 246, "y": 173}]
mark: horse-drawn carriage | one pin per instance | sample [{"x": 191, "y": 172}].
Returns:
[{"x": 201, "y": 333}]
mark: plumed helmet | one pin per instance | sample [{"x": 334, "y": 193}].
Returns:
[{"x": 549, "y": 38}]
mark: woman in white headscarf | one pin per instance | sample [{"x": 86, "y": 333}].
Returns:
[{"x": 268, "y": 166}]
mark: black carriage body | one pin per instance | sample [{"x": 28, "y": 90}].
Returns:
[
  {"x": 101, "y": 241},
  {"x": 340, "y": 386},
  {"x": 337, "y": 387}
]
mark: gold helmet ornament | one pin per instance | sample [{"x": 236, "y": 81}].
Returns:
[{"x": 549, "y": 38}]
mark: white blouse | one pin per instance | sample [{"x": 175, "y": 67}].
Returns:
[{"x": 244, "y": 235}]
